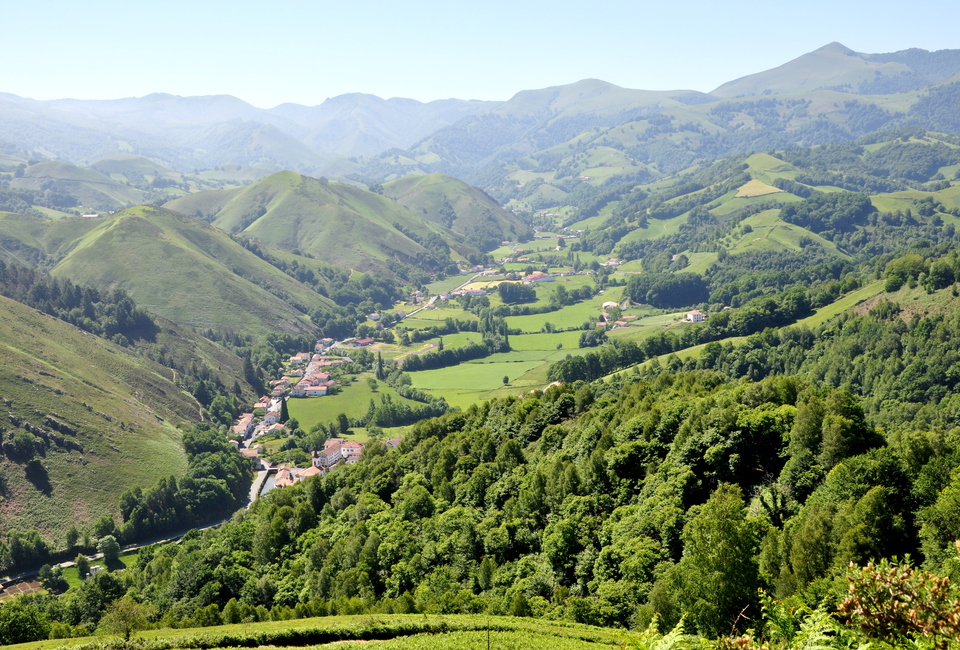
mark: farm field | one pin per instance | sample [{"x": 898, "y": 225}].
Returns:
[
  {"x": 353, "y": 400},
  {"x": 569, "y": 316}
]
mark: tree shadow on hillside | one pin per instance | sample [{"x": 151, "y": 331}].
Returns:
[{"x": 36, "y": 473}]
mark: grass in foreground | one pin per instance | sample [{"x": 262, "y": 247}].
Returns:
[{"x": 396, "y": 631}]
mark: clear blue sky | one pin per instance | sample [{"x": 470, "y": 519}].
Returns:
[{"x": 305, "y": 51}]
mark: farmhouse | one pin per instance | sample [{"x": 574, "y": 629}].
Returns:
[{"x": 696, "y": 316}]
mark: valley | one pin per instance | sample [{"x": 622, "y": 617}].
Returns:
[{"x": 590, "y": 366}]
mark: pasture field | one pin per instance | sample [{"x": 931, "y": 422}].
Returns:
[
  {"x": 770, "y": 233},
  {"x": 656, "y": 228},
  {"x": 569, "y": 316},
  {"x": 353, "y": 400}
]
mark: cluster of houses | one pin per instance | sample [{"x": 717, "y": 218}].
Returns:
[
  {"x": 606, "y": 319},
  {"x": 305, "y": 376},
  {"x": 247, "y": 425},
  {"x": 307, "y": 370}
]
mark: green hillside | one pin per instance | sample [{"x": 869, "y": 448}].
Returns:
[
  {"x": 92, "y": 189},
  {"x": 459, "y": 207},
  {"x": 186, "y": 271},
  {"x": 108, "y": 415},
  {"x": 172, "y": 265},
  {"x": 335, "y": 223}
]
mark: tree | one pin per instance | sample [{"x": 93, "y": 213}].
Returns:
[
  {"x": 104, "y": 526},
  {"x": 718, "y": 576},
  {"x": 124, "y": 617},
  {"x": 343, "y": 423},
  {"x": 284, "y": 414},
  {"x": 73, "y": 536},
  {"x": 22, "y": 621},
  {"x": 372, "y": 383},
  {"x": 232, "y": 613},
  {"x": 381, "y": 375},
  {"x": 83, "y": 565},
  {"x": 110, "y": 548},
  {"x": 506, "y": 380}
]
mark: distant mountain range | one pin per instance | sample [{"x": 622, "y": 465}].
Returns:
[
  {"x": 203, "y": 132},
  {"x": 454, "y": 136}
]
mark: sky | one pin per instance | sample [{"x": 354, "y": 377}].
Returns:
[{"x": 268, "y": 53}]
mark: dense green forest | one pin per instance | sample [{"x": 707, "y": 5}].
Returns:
[{"x": 676, "y": 496}]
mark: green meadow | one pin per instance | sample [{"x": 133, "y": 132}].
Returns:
[{"x": 353, "y": 400}]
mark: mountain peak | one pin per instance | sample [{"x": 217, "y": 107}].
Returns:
[{"x": 834, "y": 48}]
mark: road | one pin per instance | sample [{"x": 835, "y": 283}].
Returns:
[
  {"x": 433, "y": 298},
  {"x": 254, "y": 492}
]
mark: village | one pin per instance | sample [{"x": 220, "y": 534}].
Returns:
[
  {"x": 306, "y": 375},
  {"x": 309, "y": 374}
]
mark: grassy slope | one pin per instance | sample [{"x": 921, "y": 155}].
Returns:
[
  {"x": 188, "y": 272},
  {"x": 428, "y": 193},
  {"x": 124, "y": 164},
  {"x": 393, "y": 631},
  {"x": 48, "y": 366},
  {"x": 93, "y": 189},
  {"x": 336, "y": 223}
]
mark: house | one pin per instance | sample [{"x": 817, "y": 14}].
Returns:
[
  {"x": 313, "y": 470},
  {"x": 364, "y": 342},
  {"x": 609, "y": 305},
  {"x": 276, "y": 428},
  {"x": 284, "y": 478},
  {"x": 696, "y": 316},
  {"x": 374, "y": 316},
  {"x": 315, "y": 391},
  {"x": 394, "y": 443},
  {"x": 244, "y": 425},
  {"x": 620, "y": 323},
  {"x": 538, "y": 276},
  {"x": 330, "y": 454},
  {"x": 300, "y": 358},
  {"x": 264, "y": 403},
  {"x": 271, "y": 417}
]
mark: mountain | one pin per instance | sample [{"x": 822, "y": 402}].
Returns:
[
  {"x": 836, "y": 67},
  {"x": 187, "y": 133},
  {"x": 336, "y": 223},
  {"x": 460, "y": 207},
  {"x": 543, "y": 146},
  {"x": 359, "y": 124},
  {"x": 172, "y": 265},
  {"x": 101, "y": 418}
]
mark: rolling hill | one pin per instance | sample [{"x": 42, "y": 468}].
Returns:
[
  {"x": 174, "y": 266},
  {"x": 335, "y": 223},
  {"x": 92, "y": 189},
  {"x": 102, "y": 420},
  {"x": 457, "y": 206}
]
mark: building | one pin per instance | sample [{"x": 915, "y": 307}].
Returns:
[
  {"x": 538, "y": 276},
  {"x": 696, "y": 316},
  {"x": 364, "y": 342},
  {"x": 244, "y": 425}
]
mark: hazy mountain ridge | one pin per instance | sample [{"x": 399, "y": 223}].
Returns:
[{"x": 207, "y": 131}]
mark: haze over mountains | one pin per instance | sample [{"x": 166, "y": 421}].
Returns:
[{"x": 202, "y": 132}]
